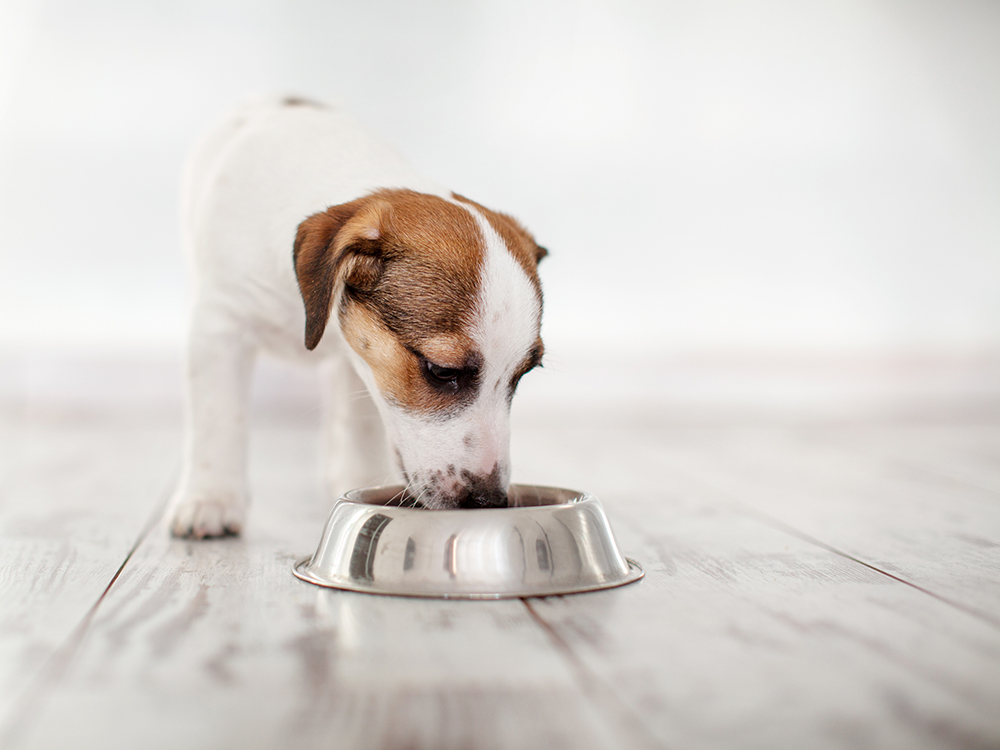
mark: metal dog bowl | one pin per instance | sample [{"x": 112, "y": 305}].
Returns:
[{"x": 548, "y": 541}]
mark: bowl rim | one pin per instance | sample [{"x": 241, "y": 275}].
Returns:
[
  {"x": 302, "y": 570},
  {"x": 568, "y": 498}
]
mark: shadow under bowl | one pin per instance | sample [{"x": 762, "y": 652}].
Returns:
[{"x": 548, "y": 541}]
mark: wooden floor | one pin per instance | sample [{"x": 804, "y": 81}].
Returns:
[{"x": 822, "y": 582}]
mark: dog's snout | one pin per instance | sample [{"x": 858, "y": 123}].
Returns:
[
  {"x": 495, "y": 498},
  {"x": 460, "y": 489},
  {"x": 483, "y": 491}
]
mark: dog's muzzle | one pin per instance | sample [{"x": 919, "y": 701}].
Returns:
[
  {"x": 483, "y": 490},
  {"x": 467, "y": 490},
  {"x": 493, "y": 497}
]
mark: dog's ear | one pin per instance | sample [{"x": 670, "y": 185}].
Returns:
[
  {"x": 341, "y": 245},
  {"x": 540, "y": 252}
]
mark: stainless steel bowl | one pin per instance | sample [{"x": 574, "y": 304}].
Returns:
[{"x": 548, "y": 541}]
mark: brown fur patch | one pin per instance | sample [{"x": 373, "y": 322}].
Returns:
[
  {"x": 432, "y": 255},
  {"x": 447, "y": 350},
  {"x": 409, "y": 267}
]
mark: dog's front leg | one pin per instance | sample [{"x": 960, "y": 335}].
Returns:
[
  {"x": 211, "y": 498},
  {"x": 356, "y": 447}
]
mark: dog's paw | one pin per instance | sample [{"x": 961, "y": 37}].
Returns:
[{"x": 204, "y": 518}]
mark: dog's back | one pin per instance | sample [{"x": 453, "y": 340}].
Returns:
[{"x": 310, "y": 148}]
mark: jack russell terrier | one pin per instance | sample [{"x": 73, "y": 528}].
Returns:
[{"x": 299, "y": 220}]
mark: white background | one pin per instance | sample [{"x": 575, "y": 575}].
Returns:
[{"x": 729, "y": 177}]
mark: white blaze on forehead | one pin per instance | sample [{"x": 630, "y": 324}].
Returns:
[{"x": 505, "y": 325}]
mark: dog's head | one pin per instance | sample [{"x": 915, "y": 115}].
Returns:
[{"x": 441, "y": 304}]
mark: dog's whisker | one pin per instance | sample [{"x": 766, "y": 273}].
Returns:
[
  {"x": 401, "y": 496},
  {"x": 419, "y": 500},
  {"x": 358, "y": 396}
]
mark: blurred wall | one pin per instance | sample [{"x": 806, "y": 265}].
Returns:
[{"x": 709, "y": 176}]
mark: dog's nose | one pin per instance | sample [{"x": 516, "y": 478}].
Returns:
[
  {"x": 483, "y": 491},
  {"x": 493, "y": 499}
]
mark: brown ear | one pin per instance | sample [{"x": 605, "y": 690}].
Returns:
[
  {"x": 540, "y": 252},
  {"x": 339, "y": 245}
]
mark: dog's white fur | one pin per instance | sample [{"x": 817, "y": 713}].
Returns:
[{"x": 248, "y": 187}]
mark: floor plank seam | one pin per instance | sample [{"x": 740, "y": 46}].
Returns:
[
  {"x": 29, "y": 702},
  {"x": 596, "y": 689},
  {"x": 741, "y": 507},
  {"x": 783, "y": 527}
]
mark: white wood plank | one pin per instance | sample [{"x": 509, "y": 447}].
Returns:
[
  {"x": 965, "y": 453},
  {"x": 924, "y": 528},
  {"x": 75, "y": 495},
  {"x": 919, "y": 525},
  {"x": 743, "y": 637},
  {"x": 215, "y": 644}
]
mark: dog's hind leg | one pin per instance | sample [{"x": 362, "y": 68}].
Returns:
[
  {"x": 355, "y": 446},
  {"x": 212, "y": 497}
]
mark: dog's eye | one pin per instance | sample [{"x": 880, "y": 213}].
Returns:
[
  {"x": 443, "y": 375},
  {"x": 450, "y": 380}
]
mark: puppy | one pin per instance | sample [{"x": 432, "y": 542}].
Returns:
[{"x": 311, "y": 239}]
